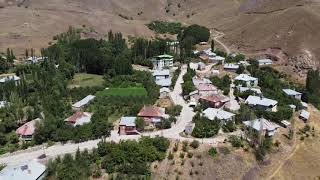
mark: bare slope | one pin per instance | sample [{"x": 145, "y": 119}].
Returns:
[{"x": 249, "y": 25}]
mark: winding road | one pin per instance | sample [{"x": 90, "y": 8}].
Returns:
[
  {"x": 172, "y": 133},
  {"x": 216, "y": 36}
]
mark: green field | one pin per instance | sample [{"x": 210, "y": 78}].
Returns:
[
  {"x": 86, "y": 80},
  {"x": 129, "y": 91}
]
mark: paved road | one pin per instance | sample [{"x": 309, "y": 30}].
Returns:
[{"x": 172, "y": 133}]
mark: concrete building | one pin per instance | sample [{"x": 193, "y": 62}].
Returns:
[
  {"x": 262, "y": 125},
  {"x": 9, "y": 77},
  {"x": 265, "y": 103},
  {"x": 31, "y": 170},
  {"x": 162, "y": 61},
  {"x": 265, "y": 62},
  {"x": 246, "y": 80},
  {"x": 293, "y": 93}
]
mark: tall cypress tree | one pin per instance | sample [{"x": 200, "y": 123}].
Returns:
[{"x": 212, "y": 45}]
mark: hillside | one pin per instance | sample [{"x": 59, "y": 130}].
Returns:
[{"x": 289, "y": 27}]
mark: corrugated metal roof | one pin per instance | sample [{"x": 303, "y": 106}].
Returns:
[
  {"x": 31, "y": 170},
  {"x": 256, "y": 100},
  {"x": 128, "y": 121},
  {"x": 213, "y": 113}
]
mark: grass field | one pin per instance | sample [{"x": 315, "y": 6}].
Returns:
[
  {"x": 129, "y": 91},
  {"x": 86, "y": 80}
]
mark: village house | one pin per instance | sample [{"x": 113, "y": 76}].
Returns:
[
  {"x": 255, "y": 90},
  {"x": 27, "y": 130},
  {"x": 127, "y": 126},
  {"x": 162, "y": 77},
  {"x": 34, "y": 59},
  {"x": 164, "y": 92},
  {"x": 80, "y": 105},
  {"x": 152, "y": 114},
  {"x": 265, "y": 127},
  {"x": 304, "y": 115},
  {"x": 231, "y": 67},
  {"x": 219, "y": 114},
  {"x": 217, "y": 59},
  {"x": 265, "y": 62},
  {"x": 198, "y": 80},
  {"x": 201, "y": 66},
  {"x": 246, "y": 80},
  {"x": 162, "y": 61},
  {"x": 9, "y": 77},
  {"x": 31, "y": 170},
  {"x": 214, "y": 101},
  {"x": 206, "y": 89},
  {"x": 264, "y": 103},
  {"x": 293, "y": 93},
  {"x": 79, "y": 118}
]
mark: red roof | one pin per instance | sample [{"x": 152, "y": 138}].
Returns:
[
  {"x": 151, "y": 111},
  {"x": 79, "y": 114},
  {"x": 215, "y": 98},
  {"x": 206, "y": 87},
  {"x": 27, "y": 129}
]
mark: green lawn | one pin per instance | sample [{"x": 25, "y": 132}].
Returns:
[
  {"x": 86, "y": 80},
  {"x": 129, "y": 91}
]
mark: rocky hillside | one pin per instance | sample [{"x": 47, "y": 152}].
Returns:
[{"x": 291, "y": 27}]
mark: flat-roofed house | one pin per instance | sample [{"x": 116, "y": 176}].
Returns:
[
  {"x": 152, "y": 114},
  {"x": 164, "y": 92},
  {"x": 162, "y": 61},
  {"x": 304, "y": 115},
  {"x": 198, "y": 80},
  {"x": 215, "y": 101},
  {"x": 30, "y": 170},
  {"x": 231, "y": 67},
  {"x": 162, "y": 77},
  {"x": 206, "y": 89},
  {"x": 83, "y": 102},
  {"x": 293, "y": 93},
  {"x": 79, "y": 118},
  {"x": 261, "y": 102},
  {"x": 247, "y": 80},
  {"x": 127, "y": 126},
  {"x": 9, "y": 77},
  {"x": 262, "y": 125},
  {"x": 27, "y": 130},
  {"x": 213, "y": 113},
  {"x": 265, "y": 62}
]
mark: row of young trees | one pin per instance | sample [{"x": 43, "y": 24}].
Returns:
[{"x": 127, "y": 159}]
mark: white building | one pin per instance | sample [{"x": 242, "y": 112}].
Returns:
[
  {"x": 3, "y": 104},
  {"x": 83, "y": 102},
  {"x": 31, "y": 170},
  {"x": 217, "y": 59},
  {"x": 231, "y": 67},
  {"x": 197, "y": 81},
  {"x": 268, "y": 128},
  {"x": 9, "y": 77},
  {"x": 213, "y": 113},
  {"x": 265, "y": 103},
  {"x": 265, "y": 62},
  {"x": 162, "y": 77},
  {"x": 162, "y": 61},
  {"x": 164, "y": 92},
  {"x": 79, "y": 118},
  {"x": 248, "y": 80},
  {"x": 292, "y": 93},
  {"x": 304, "y": 115}
]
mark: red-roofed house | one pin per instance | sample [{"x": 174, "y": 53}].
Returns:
[
  {"x": 79, "y": 118},
  {"x": 152, "y": 114},
  {"x": 27, "y": 130},
  {"x": 215, "y": 101},
  {"x": 206, "y": 89}
]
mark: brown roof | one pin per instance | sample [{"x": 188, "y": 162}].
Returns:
[
  {"x": 204, "y": 57},
  {"x": 215, "y": 98},
  {"x": 76, "y": 116},
  {"x": 151, "y": 111}
]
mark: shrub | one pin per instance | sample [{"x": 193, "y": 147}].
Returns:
[
  {"x": 181, "y": 155},
  {"x": 190, "y": 154},
  {"x": 213, "y": 152},
  {"x": 170, "y": 156},
  {"x": 194, "y": 144},
  {"x": 185, "y": 146},
  {"x": 235, "y": 141}
]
